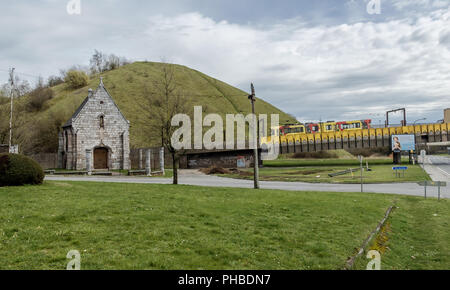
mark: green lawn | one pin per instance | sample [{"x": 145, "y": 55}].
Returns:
[
  {"x": 319, "y": 174},
  {"x": 135, "y": 226},
  {"x": 327, "y": 162},
  {"x": 415, "y": 237},
  {"x": 168, "y": 173}
]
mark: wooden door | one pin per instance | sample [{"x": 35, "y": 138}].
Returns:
[{"x": 100, "y": 158}]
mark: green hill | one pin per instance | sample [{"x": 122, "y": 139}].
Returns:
[{"x": 128, "y": 86}]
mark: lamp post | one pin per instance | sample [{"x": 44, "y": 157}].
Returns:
[{"x": 252, "y": 99}]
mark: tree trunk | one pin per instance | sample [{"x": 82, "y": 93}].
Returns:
[{"x": 175, "y": 168}]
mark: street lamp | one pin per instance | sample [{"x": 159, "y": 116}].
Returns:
[{"x": 423, "y": 119}]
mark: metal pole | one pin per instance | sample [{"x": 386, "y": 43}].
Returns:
[
  {"x": 439, "y": 190},
  {"x": 11, "y": 76},
  {"x": 361, "y": 163},
  {"x": 404, "y": 116},
  {"x": 252, "y": 99},
  {"x": 425, "y": 189}
]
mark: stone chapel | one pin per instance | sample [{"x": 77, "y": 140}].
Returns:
[{"x": 96, "y": 136}]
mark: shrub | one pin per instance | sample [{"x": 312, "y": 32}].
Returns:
[
  {"x": 54, "y": 81},
  {"x": 3, "y": 100},
  {"x": 38, "y": 97},
  {"x": 76, "y": 79},
  {"x": 367, "y": 152},
  {"x": 18, "y": 169}
]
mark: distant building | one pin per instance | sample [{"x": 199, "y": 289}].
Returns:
[
  {"x": 98, "y": 129},
  {"x": 447, "y": 116}
]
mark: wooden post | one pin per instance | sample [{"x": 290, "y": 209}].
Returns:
[
  {"x": 252, "y": 99},
  {"x": 11, "y": 77}
]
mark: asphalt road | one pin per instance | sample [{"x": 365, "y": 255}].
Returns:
[
  {"x": 215, "y": 181},
  {"x": 438, "y": 167}
]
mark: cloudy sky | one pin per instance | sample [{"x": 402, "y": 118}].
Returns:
[{"x": 318, "y": 60}]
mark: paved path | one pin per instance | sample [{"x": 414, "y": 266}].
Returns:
[
  {"x": 215, "y": 181},
  {"x": 438, "y": 167}
]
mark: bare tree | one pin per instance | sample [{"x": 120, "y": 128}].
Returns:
[
  {"x": 96, "y": 62},
  {"x": 101, "y": 62},
  {"x": 113, "y": 62},
  {"x": 165, "y": 100}
]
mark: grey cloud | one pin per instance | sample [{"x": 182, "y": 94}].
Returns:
[{"x": 297, "y": 52}]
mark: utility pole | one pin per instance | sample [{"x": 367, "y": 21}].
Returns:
[
  {"x": 11, "y": 96},
  {"x": 252, "y": 99}
]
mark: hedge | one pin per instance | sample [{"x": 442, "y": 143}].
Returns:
[{"x": 16, "y": 169}]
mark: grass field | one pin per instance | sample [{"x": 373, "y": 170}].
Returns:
[
  {"x": 133, "y": 226},
  {"x": 327, "y": 162},
  {"x": 415, "y": 237},
  {"x": 168, "y": 173},
  {"x": 319, "y": 174}
]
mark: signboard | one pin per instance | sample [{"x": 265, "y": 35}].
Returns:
[
  {"x": 403, "y": 143},
  {"x": 14, "y": 149},
  {"x": 400, "y": 168}
]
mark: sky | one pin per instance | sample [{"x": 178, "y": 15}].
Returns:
[{"x": 317, "y": 60}]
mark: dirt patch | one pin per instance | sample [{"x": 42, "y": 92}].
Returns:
[
  {"x": 307, "y": 172},
  {"x": 245, "y": 173},
  {"x": 215, "y": 170},
  {"x": 382, "y": 239}
]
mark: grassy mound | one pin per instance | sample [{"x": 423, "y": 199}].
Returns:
[{"x": 129, "y": 86}]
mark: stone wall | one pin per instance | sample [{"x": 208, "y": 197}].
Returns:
[
  {"x": 46, "y": 160},
  {"x": 137, "y": 158},
  {"x": 224, "y": 159}
]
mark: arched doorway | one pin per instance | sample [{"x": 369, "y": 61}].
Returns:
[{"x": 101, "y": 158}]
